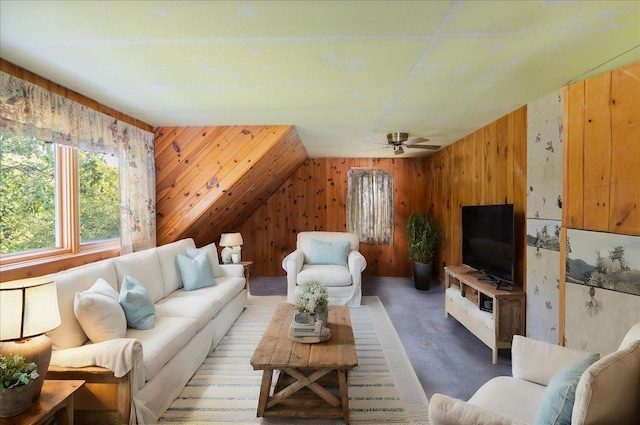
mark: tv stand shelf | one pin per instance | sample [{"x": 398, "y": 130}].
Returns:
[{"x": 465, "y": 293}]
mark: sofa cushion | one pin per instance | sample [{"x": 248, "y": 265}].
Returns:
[
  {"x": 220, "y": 295},
  {"x": 212, "y": 252},
  {"x": 144, "y": 266},
  {"x": 70, "y": 334},
  {"x": 609, "y": 390},
  {"x": 325, "y": 252},
  {"x": 199, "y": 308},
  {"x": 557, "y": 403},
  {"x": 167, "y": 257},
  {"x": 523, "y": 397},
  {"x": 329, "y": 275},
  {"x": 137, "y": 304},
  {"x": 195, "y": 272},
  {"x": 162, "y": 343},
  {"x": 99, "y": 312}
]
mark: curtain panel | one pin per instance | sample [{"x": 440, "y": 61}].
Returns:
[
  {"x": 370, "y": 205},
  {"x": 31, "y": 111}
]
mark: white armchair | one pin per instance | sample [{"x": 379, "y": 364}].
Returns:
[
  {"x": 333, "y": 259},
  {"x": 607, "y": 392}
]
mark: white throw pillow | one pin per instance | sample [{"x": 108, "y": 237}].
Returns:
[{"x": 99, "y": 312}]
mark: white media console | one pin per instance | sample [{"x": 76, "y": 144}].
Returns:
[{"x": 467, "y": 298}]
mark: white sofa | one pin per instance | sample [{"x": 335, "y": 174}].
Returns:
[
  {"x": 338, "y": 269},
  {"x": 607, "y": 392},
  {"x": 147, "y": 368}
]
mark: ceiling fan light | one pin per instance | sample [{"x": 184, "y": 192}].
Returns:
[{"x": 395, "y": 138}]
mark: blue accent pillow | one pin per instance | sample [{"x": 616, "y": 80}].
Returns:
[
  {"x": 137, "y": 304},
  {"x": 322, "y": 252},
  {"x": 558, "y": 399},
  {"x": 195, "y": 272}
]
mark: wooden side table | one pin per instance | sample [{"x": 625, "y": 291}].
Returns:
[
  {"x": 247, "y": 265},
  {"x": 55, "y": 401}
]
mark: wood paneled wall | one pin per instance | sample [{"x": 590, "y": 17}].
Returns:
[
  {"x": 602, "y": 153},
  {"x": 486, "y": 167},
  {"x": 211, "y": 179},
  {"x": 314, "y": 198},
  {"x": 601, "y": 159}
]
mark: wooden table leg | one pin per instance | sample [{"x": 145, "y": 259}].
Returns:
[
  {"x": 344, "y": 393},
  {"x": 265, "y": 389}
]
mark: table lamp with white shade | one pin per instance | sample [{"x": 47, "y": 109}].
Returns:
[
  {"x": 28, "y": 309},
  {"x": 233, "y": 245}
]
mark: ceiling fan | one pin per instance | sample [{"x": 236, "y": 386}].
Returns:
[{"x": 399, "y": 141}]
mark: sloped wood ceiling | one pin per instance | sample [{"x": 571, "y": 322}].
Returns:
[{"x": 211, "y": 179}]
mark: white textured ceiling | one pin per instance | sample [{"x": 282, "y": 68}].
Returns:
[{"x": 344, "y": 73}]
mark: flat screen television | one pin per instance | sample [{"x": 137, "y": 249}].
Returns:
[{"x": 487, "y": 241}]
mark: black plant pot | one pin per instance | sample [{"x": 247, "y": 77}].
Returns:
[{"x": 422, "y": 275}]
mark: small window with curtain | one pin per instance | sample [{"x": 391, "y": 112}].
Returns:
[{"x": 370, "y": 205}]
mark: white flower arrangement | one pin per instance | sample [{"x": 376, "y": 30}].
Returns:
[{"x": 311, "y": 297}]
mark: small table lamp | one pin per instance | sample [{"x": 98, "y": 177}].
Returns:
[
  {"x": 28, "y": 309},
  {"x": 232, "y": 243}
]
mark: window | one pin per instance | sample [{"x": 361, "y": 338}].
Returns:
[
  {"x": 370, "y": 205},
  {"x": 55, "y": 199}
]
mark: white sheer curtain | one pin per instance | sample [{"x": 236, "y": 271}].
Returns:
[
  {"x": 29, "y": 110},
  {"x": 370, "y": 205}
]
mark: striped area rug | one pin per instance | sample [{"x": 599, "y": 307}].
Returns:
[{"x": 383, "y": 388}]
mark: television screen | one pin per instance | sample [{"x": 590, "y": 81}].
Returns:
[{"x": 487, "y": 240}]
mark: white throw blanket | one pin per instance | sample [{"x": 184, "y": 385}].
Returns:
[{"x": 118, "y": 355}]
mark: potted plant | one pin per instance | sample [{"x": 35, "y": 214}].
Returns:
[
  {"x": 16, "y": 389},
  {"x": 423, "y": 238},
  {"x": 312, "y": 298}
]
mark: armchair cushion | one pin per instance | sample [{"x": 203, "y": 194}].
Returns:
[
  {"x": 445, "y": 410},
  {"x": 538, "y": 361},
  {"x": 559, "y": 397},
  {"x": 608, "y": 391},
  {"x": 329, "y": 275},
  {"x": 325, "y": 252}
]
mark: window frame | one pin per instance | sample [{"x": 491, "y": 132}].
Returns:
[{"x": 67, "y": 220}]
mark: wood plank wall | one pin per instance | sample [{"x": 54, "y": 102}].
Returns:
[
  {"x": 209, "y": 180},
  {"x": 314, "y": 198},
  {"x": 602, "y": 153},
  {"x": 601, "y": 159},
  {"x": 485, "y": 167}
]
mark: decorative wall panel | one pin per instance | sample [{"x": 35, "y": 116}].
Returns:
[{"x": 544, "y": 212}]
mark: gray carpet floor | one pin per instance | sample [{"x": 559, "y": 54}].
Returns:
[{"x": 447, "y": 358}]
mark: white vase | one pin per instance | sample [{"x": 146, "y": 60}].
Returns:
[{"x": 235, "y": 257}]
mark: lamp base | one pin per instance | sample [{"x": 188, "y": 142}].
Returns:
[{"x": 36, "y": 349}]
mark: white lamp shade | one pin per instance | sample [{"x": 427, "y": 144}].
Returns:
[
  {"x": 28, "y": 307},
  {"x": 231, "y": 239}
]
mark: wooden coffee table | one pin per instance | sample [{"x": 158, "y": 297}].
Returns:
[{"x": 306, "y": 373}]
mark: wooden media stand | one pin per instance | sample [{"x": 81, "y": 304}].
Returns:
[{"x": 466, "y": 294}]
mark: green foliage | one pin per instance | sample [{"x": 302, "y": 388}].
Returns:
[
  {"x": 423, "y": 237},
  {"x": 311, "y": 297},
  {"x": 15, "y": 371},
  {"x": 28, "y": 195},
  {"x": 99, "y": 198}
]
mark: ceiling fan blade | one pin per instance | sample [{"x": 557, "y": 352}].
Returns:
[
  {"x": 415, "y": 140},
  {"x": 398, "y": 151},
  {"x": 431, "y": 147}
]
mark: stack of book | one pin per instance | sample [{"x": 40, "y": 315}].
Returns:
[{"x": 305, "y": 328}]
